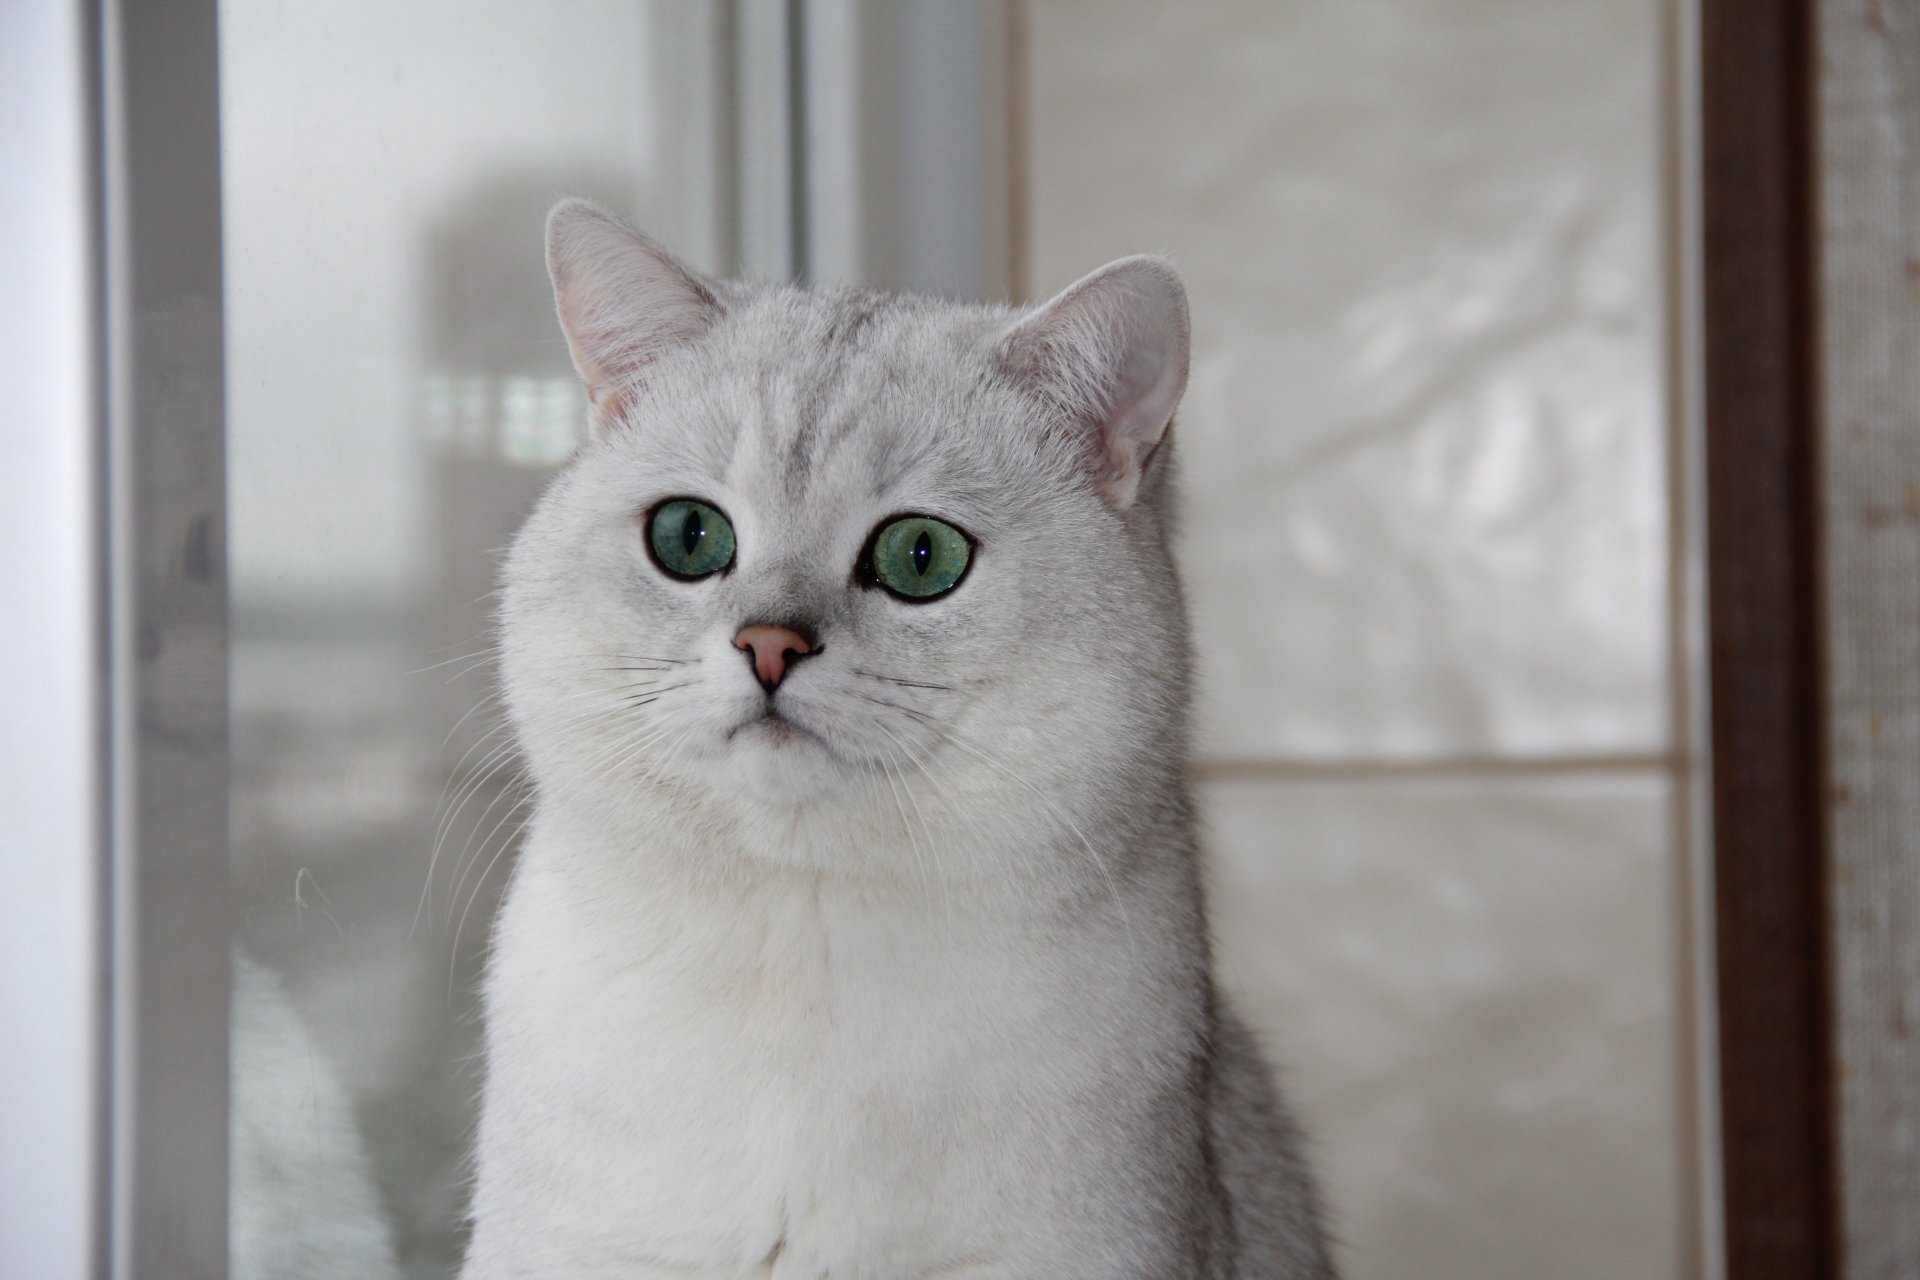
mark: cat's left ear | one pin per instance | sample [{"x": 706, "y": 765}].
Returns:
[
  {"x": 623, "y": 301},
  {"x": 1109, "y": 355}
]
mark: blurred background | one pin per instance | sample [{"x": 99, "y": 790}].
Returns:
[{"x": 1431, "y": 537}]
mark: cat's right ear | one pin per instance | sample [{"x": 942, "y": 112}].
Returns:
[{"x": 623, "y": 300}]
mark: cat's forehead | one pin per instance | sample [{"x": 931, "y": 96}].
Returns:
[{"x": 841, "y": 397}]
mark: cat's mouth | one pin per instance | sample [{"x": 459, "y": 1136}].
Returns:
[{"x": 771, "y": 726}]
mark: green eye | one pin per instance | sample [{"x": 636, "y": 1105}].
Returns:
[
  {"x": 917, "y": 557},
  {"x": 690, "y": 539}
]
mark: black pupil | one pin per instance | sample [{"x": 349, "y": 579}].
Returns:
[
  {"x": 922, "y": 553},
  {"x": 692, "y": 530}
]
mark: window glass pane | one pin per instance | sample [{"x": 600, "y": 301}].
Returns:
[
  {"x": 397, "y": 394},
  {"x": 1426, "y": 382},
  {"x": 1427, "y": 549}
]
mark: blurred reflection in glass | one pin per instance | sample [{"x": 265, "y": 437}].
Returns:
[{"x": 397, "y": 395}]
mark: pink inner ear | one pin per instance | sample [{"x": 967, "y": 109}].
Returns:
[
  {"x": 1111, "y": 352},
  {"x": 622, "y": 299}
]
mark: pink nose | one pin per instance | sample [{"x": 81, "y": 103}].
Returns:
[{"x": 772, "y": 648}]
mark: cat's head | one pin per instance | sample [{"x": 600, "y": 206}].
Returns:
[{"x": 834, "y": 552}]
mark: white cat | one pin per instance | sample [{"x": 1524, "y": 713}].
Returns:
[
  {"x": 859, "y": 931},
  {"x": 305, "y": 1205}
]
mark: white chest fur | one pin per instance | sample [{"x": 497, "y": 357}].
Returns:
[{"x": 797, "y": 1077}]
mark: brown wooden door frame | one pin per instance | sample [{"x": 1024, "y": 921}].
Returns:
[{"x": 1761, "y": 395}]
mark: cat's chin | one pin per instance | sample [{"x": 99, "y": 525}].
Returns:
[{"x": 781, "y": 762}]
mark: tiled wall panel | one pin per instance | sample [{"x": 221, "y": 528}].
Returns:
[
  {"x": 1427, "y": 543},
  {"x": 1467, "y": 982},
  {"x": 1423, "y": 438}
]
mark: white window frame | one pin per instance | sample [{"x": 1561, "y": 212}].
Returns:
[
  {"x": 115, "y": 1157},
  {"x": 52, "y": 695}
]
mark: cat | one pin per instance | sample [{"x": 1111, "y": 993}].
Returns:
[
  {"x": 858, "y": 931},
  {"x": 305, "y": 1205}
]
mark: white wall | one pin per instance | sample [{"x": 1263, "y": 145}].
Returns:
[
  {"x": 1427, "y": 541},
  {"x": 1869, "y": 149}
]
